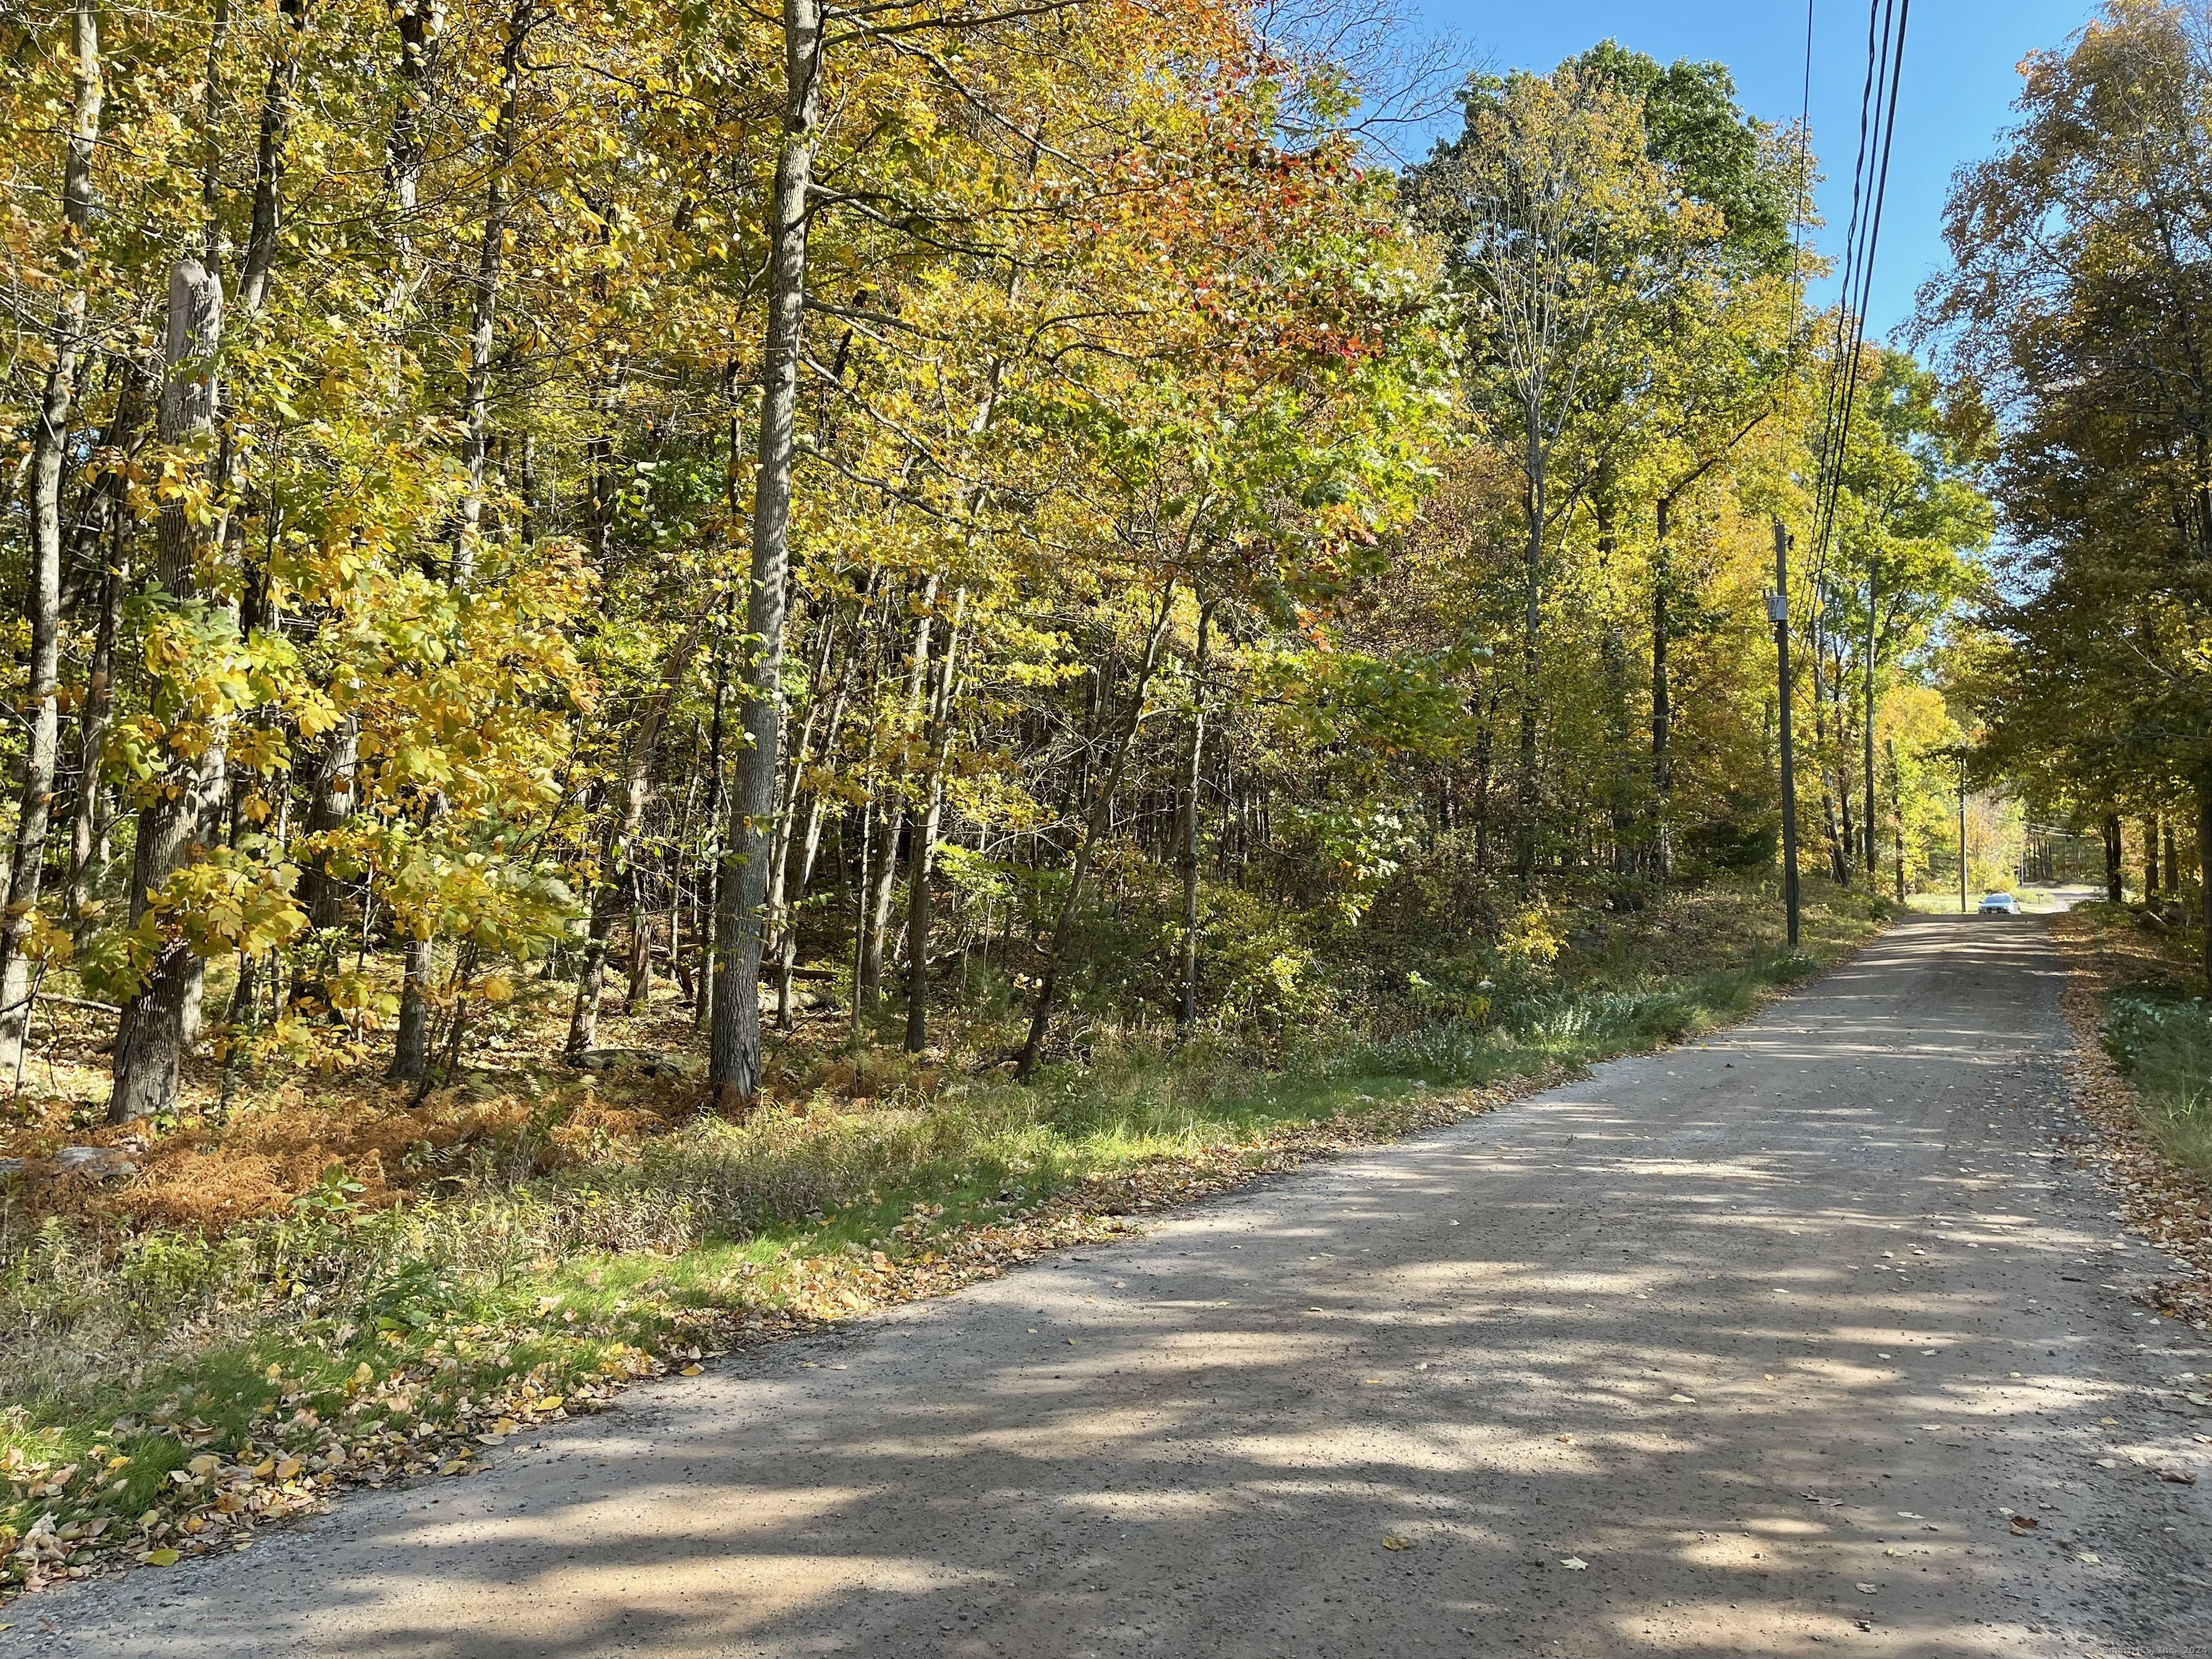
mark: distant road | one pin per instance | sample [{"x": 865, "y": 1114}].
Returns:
[{"x": 1746, "y": 1349}]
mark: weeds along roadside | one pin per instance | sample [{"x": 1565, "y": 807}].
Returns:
[
  {"x": 164, "y": 1392},
  {"x": 2142, "y": 1078},
  {"x": 2153, "y": 1021}
]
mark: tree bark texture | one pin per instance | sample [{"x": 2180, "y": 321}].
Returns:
[
  {"x": 1532, "y": 577},
  {"x": 49, "y": 461},
  {"x": 733, "y": 1070},
  {"x": 1187, "y": 1003},
  {"x": 1662, "y": 703},
  {"x": 924, "y": 856},
  {"x": 183, "y": 817}
]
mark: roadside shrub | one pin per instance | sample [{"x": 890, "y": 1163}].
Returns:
[{"x": 2162, "y": 1038}]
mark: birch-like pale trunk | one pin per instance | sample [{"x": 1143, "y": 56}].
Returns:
[
  {"x": 733, "y": 1070},
  {"x": 923, "y": 859},
  {"x": 157, "y": 1023},
  {"x": 49, "y": 462}
]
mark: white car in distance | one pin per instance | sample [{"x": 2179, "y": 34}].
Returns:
[{"x": 1999, "y": 904}]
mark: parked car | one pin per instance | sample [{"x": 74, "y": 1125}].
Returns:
[{"x": 1999, "y": 904}]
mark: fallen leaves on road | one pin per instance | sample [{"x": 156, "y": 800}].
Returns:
[
  {"x": 1574, "y": 1564},
  {"x": 1397, "y": 1544}
]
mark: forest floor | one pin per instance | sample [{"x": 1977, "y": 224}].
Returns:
[
  {"x": 1822, "y": 1333},
  {"x": 332, "y": 1289}
]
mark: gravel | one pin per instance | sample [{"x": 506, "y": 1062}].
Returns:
[{"x": 1806, "y": 1337}]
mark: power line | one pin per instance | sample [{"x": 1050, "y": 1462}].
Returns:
[{"x": 1887, "y": 21}]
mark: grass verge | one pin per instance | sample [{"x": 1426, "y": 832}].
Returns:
[
  {"x": 169, "y": 1388},
  {"x": 2142, "y": 1050}
]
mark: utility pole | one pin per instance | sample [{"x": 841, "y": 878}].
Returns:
[
  {"x": 1962, "y": 834},
  {"x": 1778, "y": 612},
  {"x": 1873, "y": 641}
]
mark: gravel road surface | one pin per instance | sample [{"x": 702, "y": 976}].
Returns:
[{"x": 1752, "y": 1347}]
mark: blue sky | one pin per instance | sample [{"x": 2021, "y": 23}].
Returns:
[{"x": 1960, "y": 81}]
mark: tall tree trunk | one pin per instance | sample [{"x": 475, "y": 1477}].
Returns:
[
  {"x": 1662, "y": 703},
  {"x": 278, "y": 99},
  {"x": 107, "y": 515},
  {"x": 410, "y": 1045},
  {"x": 491, "y": 253},
  {"x": 619, "y": 825},
  {"x": 1613, "y": 656},
  {"x": 2115, "y": 891},
  {"x": 2204, "y": 862},
  {"x": 924, "y": 857},
  {"x": 2150, "y": 857},
  {"x": 410, "y": 1057},
  {"x": 87, "y": 865},
  {"x": 1847, "y": 844},
  {"x": 1187, "y": 1004},
  {"x": 733, "y": 1069},
  {"x": 641, "y": 948},
  {"x": 1866, "y": 737},
  {"x": 788, "y": 793},
  {"x": 1897, "y": 809},
  {"x": 1524, "y": 854},
  {"x": 891, "y": 817},
  {"x": 591, "y": 976},
  {"x": 1486, "y": 711},
  {"x": 329, "y": 804},
  {"x": 184, "y": 817},
  {"x": 703, "y": 1007},
  {"x": 159, "y": 1023},
  {"x": 1839, "y": 857},
  {"x": 421, "y": 28},
  {"x": 1094, "y": 829},
  {"x": 787, "y": 958},
  {"x": 49, "y": 458},
  {"x": 794, "y": 890}
]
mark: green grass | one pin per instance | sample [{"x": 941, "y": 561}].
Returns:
[
  {"x": 2163, "y": 1037},
  {"x": 161, "y": 1346}
]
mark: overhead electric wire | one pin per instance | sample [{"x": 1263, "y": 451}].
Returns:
[
  {"x": 1887, "y": 21},
  {"x": 1855, "y": 307},
  {"x": 1869, "y": 99},
  {"x": 1879, "y": 22}
]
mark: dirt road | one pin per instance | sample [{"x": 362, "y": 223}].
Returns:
[{"x": 1753, "y": 1347}]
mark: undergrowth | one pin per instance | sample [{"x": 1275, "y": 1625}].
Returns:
[
  {"x": 166, "y": 1387},
  {"x": 2163, "y": 1037}
]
